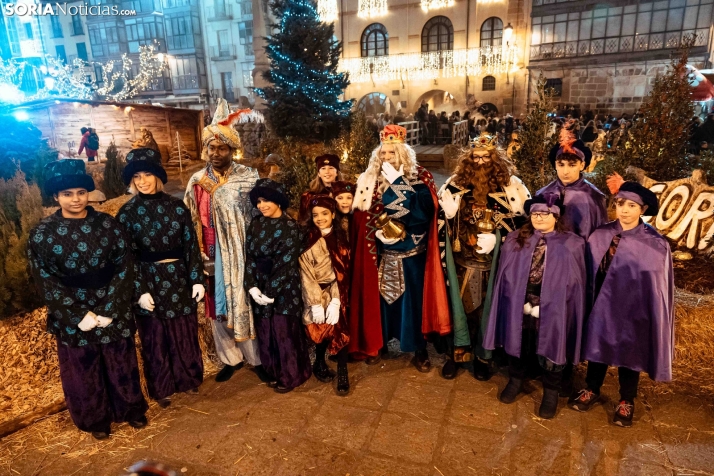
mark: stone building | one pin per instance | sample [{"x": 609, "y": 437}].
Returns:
[
  {"x": 415, "y": 50},
  {"x": 603, "y": 56}
]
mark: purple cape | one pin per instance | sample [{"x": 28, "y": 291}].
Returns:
[
  {"x": 585, "y": 205},
  {"x": 562, "y": 297},
  {"x": 632, "y": 320}
]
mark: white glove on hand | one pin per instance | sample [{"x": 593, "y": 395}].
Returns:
[
  {"x": 535, "y": 312},
  {"x": 146, "y": 302},
  {"x": 88, "y": 323},
  {"x": 449, "y": 203},
  {"x": 103, "y": 321},
  {"x": 318, "y": 314},
  {"x": 333, "y": 312},
  {"x": 486, "y": 242},
  {"x": 205, "y": 256},
  {"x": 386, "y": 241},
  {"x": 259, "y": 297},
  {"x": 198, "y": 292},
  {"x": 390, "y": 173}
]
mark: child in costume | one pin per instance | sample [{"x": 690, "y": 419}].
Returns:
[
  {"x": 274, "y": 244},
  {"x": 82, "y": 266},
  {"x": 631, "y": 290},
  {"x": 344, "y": 194},
  {"x": 169, "y": 280},
  {"x": 324, "y": 267},
  {"x": 542, "y": 264},
  {"x": 328, "y": 171}
]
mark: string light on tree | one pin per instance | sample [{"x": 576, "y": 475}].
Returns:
[
  {"x": 327, "y": 10},
  {"x": 372, "y": 8},
  {"x": 427, "y": 5}
]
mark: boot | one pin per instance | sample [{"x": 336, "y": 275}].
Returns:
[
  {"x": 322, "y": 372},
  {"x": 421, "y": 361},
  {"x": 513, "y": 388},
  {"x": 140, "y": 422},
  {"x": 262, "y": 374},
  {"x": 164, "y": 402},
  {"x": 343, "y": 381},
  {"x": 549, "y": 404},
  {"x": 449, "y": 370},
  {"x": 227, "y": 372},
  {"x": 482, "y": 370}
]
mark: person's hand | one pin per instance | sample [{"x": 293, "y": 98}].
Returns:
[
  {"x": 205, "y": 256},
  {"x": 198, "y": 292},
  {"x": 449, "y": 203},
  {"x": 318, "y": 314},
  {"x": 146, "y": 302},
  {"x": 485, "y": 243},
  {"x": 386, "y": 241},
  {"x": 259, "y": 297},
  {"x": 103, "y": 321},
  {"x": 88, "y": 323},
  {"x": 390, "y": 173},
  {"x": 333, "y": 312}
]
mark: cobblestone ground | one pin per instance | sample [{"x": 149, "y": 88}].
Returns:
[{"x": 395, "y": 421}]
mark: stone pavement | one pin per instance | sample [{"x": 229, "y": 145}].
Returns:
[{"x": 395, "y": 421}]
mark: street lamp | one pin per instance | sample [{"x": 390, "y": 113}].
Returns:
[{"x": 507, "y": 34}]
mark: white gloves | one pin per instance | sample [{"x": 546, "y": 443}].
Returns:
[
  {"x": 318, "y": 314},
  {"x": 205, "y": 256},
  {"x": 333, "y": 312},
  {"x": 146, "y": 302},
  {"x": 103, "y": 321},
  {"x": 529, "y": 310},
  {"x": 390, "y": 173},
  {"x": 386, "y": 241},
  {"x": 449, "y": 203},
  {"x": 259, "y": 297},
  {"x": 198, "y": 292},
  {"x": 486, "y": 242},
  {"x": 88, "y": 323}
]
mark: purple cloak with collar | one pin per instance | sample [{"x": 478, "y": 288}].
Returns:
[
  {"x": 562, "y": 297},
  {"x": 585, "y": 205},
  {"x": 632, "y": 319}
]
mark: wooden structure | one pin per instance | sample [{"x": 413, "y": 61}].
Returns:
[{"x": 60, "y": 121}]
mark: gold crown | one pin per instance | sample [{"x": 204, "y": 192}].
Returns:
[
  {"x": 393, "y": 134},
  {"x": 484, "y": 142}
]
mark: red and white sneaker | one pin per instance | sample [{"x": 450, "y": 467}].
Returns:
[
  {"x": 624, "y": 411},
  {"x": 584, "y": 400}
]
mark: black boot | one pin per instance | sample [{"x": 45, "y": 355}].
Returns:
[
  {"x": 343, "y": 381},
  {"x": 482, "y": 370},
  {"x": 449, "y": 370},
  {"x": 227, "y": 372},
  {"x": 549, "y": 404},
  {"x": 140, "y": 422},
  {"x": 322, "y": 372},
  {"x": 513, "y": 388},
  {"x": 262, "y": 374},
  {"x": 421, "y": 361}
]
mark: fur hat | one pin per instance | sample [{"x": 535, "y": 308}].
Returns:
[
  {"x": 271, "y": 191},
  {"x": 324, "y": 201},
  {"x": 340, "y": 186},
  {"x": 65, "y": 174},
  {"x": 327, "y": 159},
  {"x": 143, "y": 160}
]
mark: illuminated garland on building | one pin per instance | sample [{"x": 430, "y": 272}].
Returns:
[
  {"x": 427, "y": 5},
  {"x": 327, "y": 10},
  {"x": 431, "y": 65},
  {"x": 372, "y": 8}
]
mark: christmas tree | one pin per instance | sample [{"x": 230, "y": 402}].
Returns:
[
  {"x": 304, "y": 99},
  {"x": 536, "y": 140},
  {"x": 113, "y": 183}
]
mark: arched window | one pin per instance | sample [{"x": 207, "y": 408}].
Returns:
[
  {"x": 375, "y": 40},
  {"x": 437, "y": 35},
  {"x": 489, "y": 83},
  {"x": 492, "y": 32},
  {"x": 374, "y": 103}
]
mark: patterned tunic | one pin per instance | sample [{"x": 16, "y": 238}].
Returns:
[
  {"x": 160, "y": 228},
  {"x": 273, "y": 250},
  {"x": 81, "y": 265}
]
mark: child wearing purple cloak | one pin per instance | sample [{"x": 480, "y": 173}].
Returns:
[
  {"x": 631, "y": 288},
  {"x": 539, "y": 300}
]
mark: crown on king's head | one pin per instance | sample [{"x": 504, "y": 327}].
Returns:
[
  {"x": 393, "y": 134},
  {"x": 484, "y": 141}
]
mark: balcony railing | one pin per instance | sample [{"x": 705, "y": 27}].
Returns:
[
  {"x": 186, "y": 81},
  {"x": 220, "y": 12},
  {"x": 232, "y": 95},
  {"x": 431, "y": 65},
  {"x": 223, "y": 53},
  {"x": 620, "y": 44}
]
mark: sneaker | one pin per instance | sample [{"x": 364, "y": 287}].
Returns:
[
  {"x": 513, "y": 388},
  {"x": 584, "y": 400},
  {"x": 624, "y": 411},
  {"x": 282, "y": 389},
  {"x": 449, "y": 370},
  {"x": 549, "y": 404}
]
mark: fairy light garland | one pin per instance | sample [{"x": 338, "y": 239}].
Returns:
[
  {"x": 427, "y": 5},
  {"x": 431, "y": 65},
  {"x": 327, "y": 10},
  {"x": 372, "y": 8}
]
